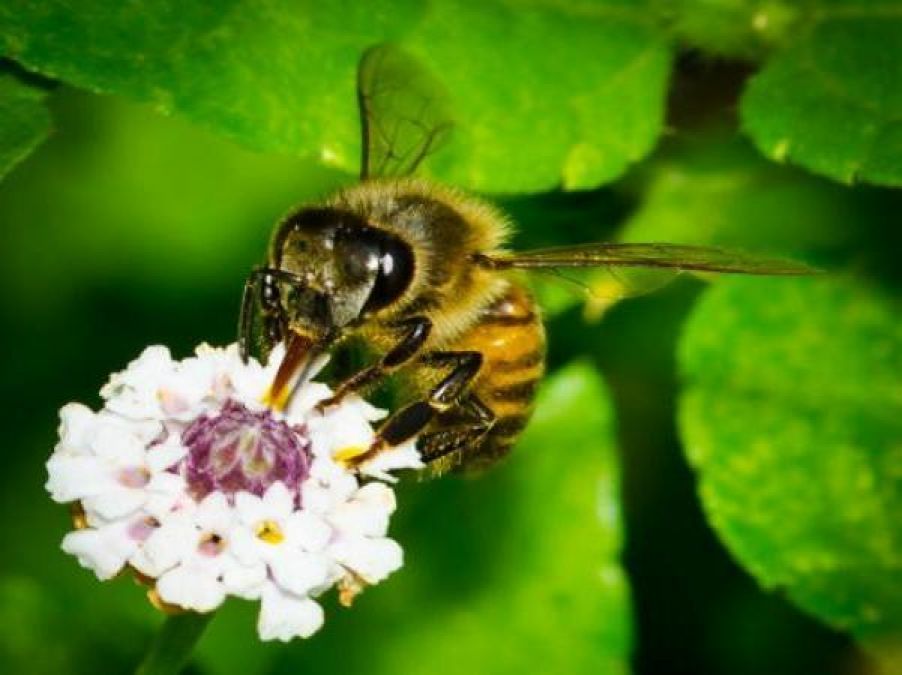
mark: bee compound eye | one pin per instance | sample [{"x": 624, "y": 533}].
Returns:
[
  {"x": 358, "y": 259},
  {"x": 394, "y": 273}
]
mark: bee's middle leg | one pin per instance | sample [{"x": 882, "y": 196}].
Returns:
[
  {"x": 415, "y": 331},
  {"x": 413, "y": 418}
]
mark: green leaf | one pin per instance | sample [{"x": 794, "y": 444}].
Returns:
[
  {"x": 143, "y": 200},
  {"x": 515, "y": 568},
  {"x": 544, "y": 93},
  {"x": 24, "y": 120},
  {"x": 714, "y": 189},
  {"x": 743, "y": 29},
  {"x": 792, "y": 415},
  {"x": 832, "y": 102},
  {"x": 29, "y": 615}
]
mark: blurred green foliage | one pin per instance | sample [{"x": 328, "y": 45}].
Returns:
[
  {"x": 287, "y": 84},
  {"x": 740, "y": 29},
  {"x": 792, "y": 415},
  {"x": 831, "y": 100},
  {"x": 713, "y": 188},
  {"x": 129, "y": 227},
  {"x": 25, "y": 120}
]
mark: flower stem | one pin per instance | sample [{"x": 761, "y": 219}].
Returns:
[{"x": 174, "y": 643}]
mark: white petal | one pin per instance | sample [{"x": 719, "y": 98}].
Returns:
[
  {"x": 299, "y": 572},
  {"x": 153, "y": 360},
  {"x": 162, "y": 456},
  {"x": 366, "y": 513},
  {"x": 284, "y": 616},
  {"x": 336, "y": 573},
  {"x": 169, "y": 544},
  {"x": 278, "y": 500},
  {"x": 104, "y": 551},
  {"x": 250, "y": 381},
  {"x": 331, "y": 477},
  {"x": 191, "y": 589},
  {"x": 116, "y": 503},
  {"x": 219, "y": 364},
  {"x": 76, "y": 424},
  {"x": 376, "y": 496},
  {"x": 217, "y": 357},
  {"x": 372, "y": 559},
  {"x": 145, "y": 431},
  {"x": 404, "y": 456},
  {"x": 365, "y": 409},
  {"x": 95, "y": 520},
  {"x": 249, "y": 508},
  {"x": 245, "y": 545},
  {"x": 118, "y": 445},
  {"x": 133, "y": 392},
  {"x": 165, "y": 483},
  {"x": 245, "y": 581},
  {"x": 339, "y": 429},
  {"x": 306, "y": 397},
  {"x": 215, "y": 513},
  {"x": 315, "y": 498},
  {"x": 166, "y": 492},
  {"x": 142, "y": 374},
  {"x": 275, "y": 359},
  {"x": 308, "y": 531},
  {"x": 72, "y": 477},
  {"x": 184, "y": 390}
]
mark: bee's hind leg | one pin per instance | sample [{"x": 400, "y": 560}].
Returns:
[
  {"x": 444, "y": 398},
  {"x": 412, "y": 419},
  {"x": 453, "y": 434}
]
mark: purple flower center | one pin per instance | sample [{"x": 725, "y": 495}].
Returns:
[{"x": 239, "y": 449}]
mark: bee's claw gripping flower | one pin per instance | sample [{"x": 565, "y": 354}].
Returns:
[{"x": 190, "y": 479}]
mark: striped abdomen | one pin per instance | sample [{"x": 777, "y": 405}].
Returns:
[{"x": 510, "y": 336}]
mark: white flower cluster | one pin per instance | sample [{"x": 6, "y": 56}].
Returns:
[{"x": 186, "y": 477}]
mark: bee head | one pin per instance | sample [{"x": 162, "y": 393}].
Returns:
[
  {"x": 329, "y": 271},
  {"x": 347, "y": 269}
]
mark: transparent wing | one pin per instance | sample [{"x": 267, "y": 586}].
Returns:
[
  {"x": 404, "y": 112},
  {"x": 675, "y": 257},
  {"x": 599, "y": 288},
  {"x": 605, "y": 274}
]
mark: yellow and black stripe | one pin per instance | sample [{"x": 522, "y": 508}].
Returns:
[{"x": 510, "y": 336}]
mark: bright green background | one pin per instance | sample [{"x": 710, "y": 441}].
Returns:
[{"x": 713, "y": 480}]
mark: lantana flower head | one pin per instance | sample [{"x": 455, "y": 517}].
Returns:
[{"x": 187, "y": 477}]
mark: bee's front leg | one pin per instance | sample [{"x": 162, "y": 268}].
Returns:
[
  {"x": 413, "y": 418},
  {"x": 260, "y": 302},
  {"x": 415, "y": 331}
]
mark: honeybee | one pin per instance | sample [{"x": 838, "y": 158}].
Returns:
[{"x": 419, "y": 272}]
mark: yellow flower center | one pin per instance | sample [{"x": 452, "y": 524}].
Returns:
[{"x": 270, "y": 532}]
